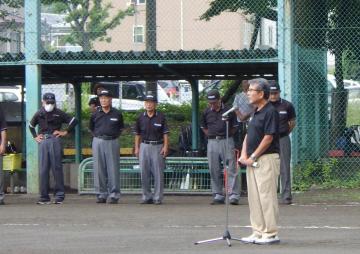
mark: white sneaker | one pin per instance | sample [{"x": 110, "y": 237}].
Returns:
[
  {"x": 268, "y": 240},
  {"x": 251, "y": 239}
]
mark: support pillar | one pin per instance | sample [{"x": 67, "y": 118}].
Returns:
[
  {"x": 33, "y": 89},
  {"x": 195, "y": 114},
  {"x": 78, "y": 110}
]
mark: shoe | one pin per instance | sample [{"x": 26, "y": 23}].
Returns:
[
  {"x": 146, "y": 202},
  {"x": 41, "y": 202},
  {"x": 157, "y": 202},
  {"x": 101, "y": 201},
  {"x": 2, "y": 202},
  {"x": 268, "y": 240},
  {"x": 234, "y": 201},
  {"x": 113, "y": 201},
  {"x": 217, "y": 202},
  {"x": 285, "y": 202},
  {"x": 58, "y": 202},
  {"x": 251, "y": 239}
]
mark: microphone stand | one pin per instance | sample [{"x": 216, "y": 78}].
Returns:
[{"x": 226, "y": 236}]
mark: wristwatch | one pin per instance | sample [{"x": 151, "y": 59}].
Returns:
[{"x": 253, "y": 157}]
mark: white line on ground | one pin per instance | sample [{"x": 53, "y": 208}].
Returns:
[
  {"x": 282, "y": 227},
  {"x": 186, "y": 226}
]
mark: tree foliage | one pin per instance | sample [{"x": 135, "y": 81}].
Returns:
[
  {"x": 262, "y": 8},
  {"x": 89, "y": 20},
  {"x": 9, "y": 23}
]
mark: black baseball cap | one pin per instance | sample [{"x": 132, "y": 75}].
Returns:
[
  {"x": 213, "y": 95},
  {"x": 93, "y": 101},
  {"x": 274, "y": 87},
  {"x": 105, "y": 93},
  {"x": 150, "y": 97},
  {"x": 49, "y": 97}
]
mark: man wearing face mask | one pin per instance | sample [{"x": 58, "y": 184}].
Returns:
[
  {"x": 50, "y": 120},
  {"x": 214, "y": 127}
]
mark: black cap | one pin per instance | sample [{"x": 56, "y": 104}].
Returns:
[
  {"x": 213, "y": 95},
  {"x": 49, "y": 97},
  {"x": 150, "y": 97},
  {"x": 105, "y": 93},
  {"x": 274, "y": 87},
  {"x": 93, "y": 101}
]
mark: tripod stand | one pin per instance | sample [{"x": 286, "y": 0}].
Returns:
[{"x": 226, "y": 236}]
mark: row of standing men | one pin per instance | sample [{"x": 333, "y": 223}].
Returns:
[{"x": 270, "y": 119}]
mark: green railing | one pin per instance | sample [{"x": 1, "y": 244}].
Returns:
[{"x": 181, "y": 175}]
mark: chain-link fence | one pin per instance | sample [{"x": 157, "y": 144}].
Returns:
[
  {"x": 326, "y": 92},
  {"x": 322, "y": 51}
]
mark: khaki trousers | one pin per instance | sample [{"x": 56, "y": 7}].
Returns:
[{"x": 262, "y": 194}]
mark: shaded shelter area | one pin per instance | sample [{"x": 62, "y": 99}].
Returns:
[
  {"x": 79, "y": 67},
  {"x": 105, "y": 66}
]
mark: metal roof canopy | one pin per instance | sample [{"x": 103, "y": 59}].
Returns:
[{"x": 75, "y": 73}]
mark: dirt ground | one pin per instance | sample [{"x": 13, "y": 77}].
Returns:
[{"x": 317, "y": 222}]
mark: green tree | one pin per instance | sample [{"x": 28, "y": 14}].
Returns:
[
  {"x": 7, "y": 23},
  {"x": 89, "y": 20},
  {"x": 325, "y": 23},
  {"x": 258, "y": 9},
  {"x": 342, "y": 37}
]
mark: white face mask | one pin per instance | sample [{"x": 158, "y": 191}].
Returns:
[{"x": 49, "y": 107}]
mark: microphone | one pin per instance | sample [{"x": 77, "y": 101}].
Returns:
[{"x": 229, "y": 111}]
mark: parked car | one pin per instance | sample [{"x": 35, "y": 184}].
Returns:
[
  {"x": 10, "y": 93},
  {"x": 129, "y": 96}
]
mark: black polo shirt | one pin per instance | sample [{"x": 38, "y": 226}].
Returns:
[
  {"x": 212, "y": 121},
  {"x": 106, "y": 124},
  {"x": 3, "y": 125},
  {"x": 51, "y": 121},
  {"x": 263, "y": 122},
  {"x": 151, "y": 128},
  {"x": 286, "y": 113}
]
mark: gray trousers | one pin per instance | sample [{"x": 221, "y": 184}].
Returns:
[
  {"x": 285, "y": 174},
  {"x": 106, "y": 168},
  {"x": 50, "y": 156},
  {"x": 216, "y": 153},
  {"x": 2, "y": 194},
  {"x": 152, "y": 163}
]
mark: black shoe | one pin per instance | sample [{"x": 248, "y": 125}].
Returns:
[
  {"x": 157, "y": 202},
  {"x": 113, "y": 201},
  {"x": 286, "y": 202},
  {"x": 217, "y": 202},
  {"x": 2, "y": 202},
  {"x": 234, "y": 201},
  {"x": 43, "y": 202},
  {"x": 146, "y": 202},
  {"x": 101, "y": 201}
]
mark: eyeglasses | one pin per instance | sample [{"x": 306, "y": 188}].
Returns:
[{"x": 251, "y": 90}]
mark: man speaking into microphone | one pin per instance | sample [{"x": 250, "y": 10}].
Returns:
[
  {"x": 214, "y": 127},
  {"x": 260, "y": 153}
]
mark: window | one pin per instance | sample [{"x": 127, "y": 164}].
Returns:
[
  {"x": 137, "y": 2},
  {"x": 139, "y": 34},
  {"x": 130, "y": 92},
  {"x": 7, "y": 96},
  {"x": 270, "y": 35}
]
